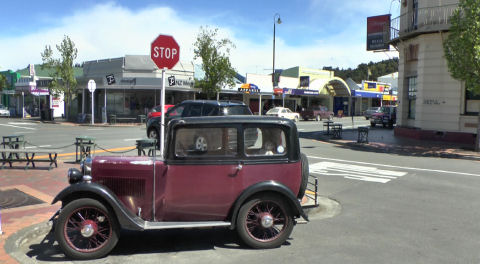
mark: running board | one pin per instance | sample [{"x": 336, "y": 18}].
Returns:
[{"x": 172, "y": 225}]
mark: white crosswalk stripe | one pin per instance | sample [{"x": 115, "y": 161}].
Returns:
[{"x": 355, "y": 172}]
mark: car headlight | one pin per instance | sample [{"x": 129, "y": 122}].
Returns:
[{"x": 74, "y": 176}]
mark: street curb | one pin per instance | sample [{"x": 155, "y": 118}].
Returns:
[
  {"x": 412, "y": 151},
  {"x": 14, "y": 243}
]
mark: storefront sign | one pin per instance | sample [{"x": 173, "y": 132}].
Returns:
[
  {"x": 433, "y": 101},
  {"x": 378, "y": 32},
  {"x": 366, "y": 94},
  {"x": 376, "y": 87},
  {"x": 249, "y": 88},
  {"x": 292, "y": 91},
  {"x": 110, "y": 79},
  {"x": 171, "y": 81}
]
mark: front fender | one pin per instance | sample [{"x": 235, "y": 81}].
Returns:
[
  {"x": 125, "y": 218},
  {"x": 267, "y": 186}
]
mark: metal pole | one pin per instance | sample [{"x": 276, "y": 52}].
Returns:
[
  {"x": 162, "y": 107},
  {"x": 105, "y": 105},
  {"x": 273, "y": 67},
  {"x": 83, "y": 101},
  {"x": 260, "y": 105},
  {"x": 92, "y": 118}
]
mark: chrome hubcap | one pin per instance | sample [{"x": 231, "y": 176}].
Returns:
[
  {"x": 87, "y": 230},
  {"x": 267, "y": 221}
]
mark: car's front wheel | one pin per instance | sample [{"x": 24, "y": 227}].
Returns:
[
  {"x": 86, "y": 229},
  {"x": 295, "y": 119},
  {"x": 265, "y": 221}
]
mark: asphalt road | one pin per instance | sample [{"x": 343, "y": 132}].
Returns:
[{"x": 394, "y": 209}]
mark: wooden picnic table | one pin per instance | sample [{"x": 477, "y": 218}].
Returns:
[
  {"x": 327, "y": 124},
  {"x": 15, "y": 155},
  {"x": 83, "y": 147},
  {"x": 13, "y": 141}
]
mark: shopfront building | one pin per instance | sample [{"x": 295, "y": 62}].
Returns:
[{"x": 130, "y": 86}]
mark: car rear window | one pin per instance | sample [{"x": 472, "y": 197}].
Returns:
[
  {"x": 236, "y": 110},
  {"x": 261, "y": 141}
]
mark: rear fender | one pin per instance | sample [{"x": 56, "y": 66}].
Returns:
[
  {"x": 267, "y": 186},
  {"x": 125, "y": 218}
]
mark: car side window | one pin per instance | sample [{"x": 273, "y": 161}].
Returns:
[
  {"x": 175, "y": 111},
  {"x": 194, "y": 110},
  {"x": 201, "y": 142},
  {"x": 265, "y": 141},
  {"x": 209, "y": 110}
]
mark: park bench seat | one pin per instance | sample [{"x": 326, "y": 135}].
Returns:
[{"x": 28, "y": 155}]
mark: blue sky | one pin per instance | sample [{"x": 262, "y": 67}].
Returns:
[{"x": 313, "y": 33}]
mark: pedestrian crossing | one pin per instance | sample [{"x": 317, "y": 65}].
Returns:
[{"x": 355, "y": 172}]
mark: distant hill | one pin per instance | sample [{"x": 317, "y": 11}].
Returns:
[{"x": 377, "y": 69}]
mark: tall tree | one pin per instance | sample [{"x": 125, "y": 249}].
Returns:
[
  {"x": 216, "y": 64},
  {"x": 462, "y": 49},
  {"x": 3, "y": 82},
  {"x": 63, "y": 77}
]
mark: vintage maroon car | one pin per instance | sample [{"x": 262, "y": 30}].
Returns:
[{"x": 223, "y": 182}]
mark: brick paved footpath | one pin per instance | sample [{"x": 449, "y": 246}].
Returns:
[{"x": 39, "y": 183}]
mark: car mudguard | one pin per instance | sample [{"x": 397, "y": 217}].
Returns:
[
  {"x": 267, "y": 186},
  {"x": 125, "y": 218}
]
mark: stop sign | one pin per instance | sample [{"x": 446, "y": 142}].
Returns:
[{"x": 165, "y": 52}]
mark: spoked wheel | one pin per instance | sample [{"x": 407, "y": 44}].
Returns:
[
  {"x": 86, "y": 229},
  {"x": 201, "y": 143},
  {"x": 265, "y": 222}
]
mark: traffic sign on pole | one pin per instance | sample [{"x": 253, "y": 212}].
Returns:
[
  {"x": 91, "y": 87},
  {"x": 165, "y": 53}
]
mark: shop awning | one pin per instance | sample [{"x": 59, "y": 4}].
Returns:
[{"x": 337, "y": 87}]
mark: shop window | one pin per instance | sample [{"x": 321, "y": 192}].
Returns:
[{"x": 412, "y": 96}]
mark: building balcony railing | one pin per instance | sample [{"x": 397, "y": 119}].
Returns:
[{"x": 426, "y": 19}]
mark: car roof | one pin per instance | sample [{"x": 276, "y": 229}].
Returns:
[
  {"x": 234, "y": 119},
  {"x": 214, "y": 102}
]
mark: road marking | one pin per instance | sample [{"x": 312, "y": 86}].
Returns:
[
  {"x": 22, "y": 123},
  {"x": 355, "y": 172},
  {"x": 131, "y": 139},
  {"x": 93, "y": 152},
  {"x": 42, "y": 146},
  {"x": 95, "y": 129},
  {"x": 397, "y": 167},
  {"x": 31, "y": 128}
]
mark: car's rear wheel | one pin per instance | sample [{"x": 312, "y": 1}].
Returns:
[
  {"x": 86, "y": 229},
  {"x": 318, "y": 118},
  {"x": 265, "y": 221},
  {"x": 330, "y": 117}
]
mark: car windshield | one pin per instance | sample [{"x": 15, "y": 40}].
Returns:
[
  {"x": 385, "y": 110},
  {"x": 273, "y": 111}
]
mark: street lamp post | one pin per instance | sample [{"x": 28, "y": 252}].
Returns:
[{"x": 275, "y": 21}]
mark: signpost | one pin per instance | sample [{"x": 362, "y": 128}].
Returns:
[
  {"x": 91, "y": 87},
  {"x": 165, "y": 53}
]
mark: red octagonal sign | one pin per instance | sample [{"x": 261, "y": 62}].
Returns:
[{"x": 165, "y": 52}]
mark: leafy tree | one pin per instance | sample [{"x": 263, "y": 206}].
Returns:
[
  {"x": 462, "y": 48},
  {"x": 3, "y": 82},
  {"x": 215, "y": 61},
  {"x": 361, "y": 72},
  {"x": 63, "y": 77}
]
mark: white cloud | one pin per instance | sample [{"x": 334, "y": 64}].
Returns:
[{"x": 109, "y": 30}]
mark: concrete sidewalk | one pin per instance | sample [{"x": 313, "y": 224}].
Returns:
[{"x": 382, "y": 140}]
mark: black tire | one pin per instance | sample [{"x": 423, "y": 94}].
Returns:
[
  {"x": 256, "y": 212},
  {"x": 372, "y": 124},
  {"x": 86, "y": 229},
  {"x": 305, "y": 174},
  {"x": 153, "y": 133}
]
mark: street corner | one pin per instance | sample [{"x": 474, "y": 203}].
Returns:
[{"x": 324, "y": 207}]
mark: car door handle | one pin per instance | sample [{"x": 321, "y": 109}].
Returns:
[{"x": 238, "y": 168}]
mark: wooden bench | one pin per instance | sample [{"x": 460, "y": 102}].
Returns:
[{"x": 15, "y": 155}]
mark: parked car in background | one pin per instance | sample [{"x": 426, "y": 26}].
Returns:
[
  {"x": 386, "y": 116},
  {"x": 4, "y": 111},
  {"x": 283, "y": 112},
  {"x": 190, "y": 108},
  {"x": 255, "y": 190},
  {"x": 368, "y": 113},
  {"x": 316, "y": 112},
  {"x": 156, "y": 111}
]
